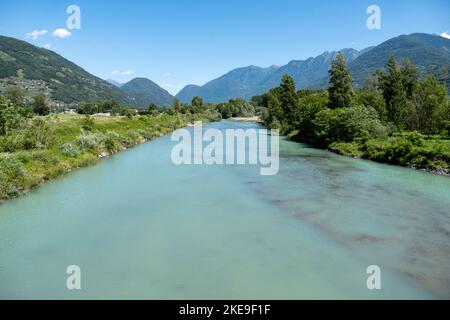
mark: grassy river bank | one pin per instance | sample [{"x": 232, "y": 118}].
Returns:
[{"x": 63, "y": 143}]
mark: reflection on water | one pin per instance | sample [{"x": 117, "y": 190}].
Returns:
[{"x": 140, "y": 227}]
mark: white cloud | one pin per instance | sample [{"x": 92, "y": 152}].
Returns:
[
  {"x": 445, "y": 35},
  {"x": 124, "y": 73},
  {"x": 35, "y": 34},
  {"x": 47, "y": 46},
  {"x": 62, "y": 33},
  {"x": 167, "y": 74}
]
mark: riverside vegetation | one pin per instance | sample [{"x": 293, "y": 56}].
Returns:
[
  {"x": 398, "y": 118},
  {"x": 37, "y": 145}
]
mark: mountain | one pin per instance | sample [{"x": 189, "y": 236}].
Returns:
[
  {"x": 307, "y": 72},
  {"x": 114, "y": 83},
  {"x": 250, "y": 81},
  {"x": 431, "y": 53},
  {"x": 242, "y": 82},
  {"x": 144, "y": 91},
  {"x": 39, "y": 70}
]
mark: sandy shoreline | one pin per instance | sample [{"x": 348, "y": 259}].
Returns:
[{"x": 249, "y": 119}]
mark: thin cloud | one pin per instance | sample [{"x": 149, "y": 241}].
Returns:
[
  {"x": 47, "y": 46},
  {"x": 445, "y": 35},
  {"x": 36, "y": 34},
  {"x": 127, "y": 73},
  {"x": 62, "y": 33},
  {"x": 115, "y": 72},
  {"x": 166, "y": 74}
]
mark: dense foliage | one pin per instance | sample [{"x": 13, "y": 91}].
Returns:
[{"x": 398, "y": 118}]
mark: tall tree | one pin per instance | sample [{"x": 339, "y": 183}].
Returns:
[
  {"x": 410, "y": 77},
  {"x": 392, "y": 84},
  {"x": 287, "y": 95},
  {"x": 176, "y": 105},
  {"x": 197, "y": 103},
  {"x": 275, "y": 111},
  {"x": 341, "y": 83}
]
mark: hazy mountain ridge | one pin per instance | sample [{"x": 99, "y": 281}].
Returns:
[
  {"x": 241, "y": 82},
  {"x": 431, "y": 53},
  {"x": 115, "y": 83},
  {"x": 144, "y": 91}
]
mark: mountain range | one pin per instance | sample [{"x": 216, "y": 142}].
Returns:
[
  {"x": 38, "y": 70},
  {"x": 431, "y": 53}
]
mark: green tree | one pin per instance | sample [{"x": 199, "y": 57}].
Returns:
[
  {"x": 410, "y": 77},
  {"x": 311, "y": 103},
  {"x": 275, "y": 111},
  {"x": 287, "y": 95},
  {"x": 371, "y": 97},
  {"x": 197, "y": 103},
  {"x": 392, "y": 84},
  {"x": 40, "y": 105},
  {"x": 152, "y": 107},
  {"x": 341, "y": 83},
  {"x": 176, "y": 105},
  {"x": 430, "y": 103}
]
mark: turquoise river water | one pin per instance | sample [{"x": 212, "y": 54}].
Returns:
[{"x": 140, "y": 227}]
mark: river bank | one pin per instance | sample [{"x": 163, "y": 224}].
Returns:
[
  {"x": 407, "y": 149},
  {"x": 73, "y": 142},
  {"x": 411, "y": 151}
]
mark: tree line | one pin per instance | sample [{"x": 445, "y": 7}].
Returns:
[{"x": 394, "y": 100}]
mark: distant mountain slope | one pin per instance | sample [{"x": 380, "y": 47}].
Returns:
[
  {"x": 114, "y": 83},
  {"x": 243, "y": 82},
  {"x": 431, "y": 53},
  {"x": 250, "y": 81},
  {"x": 307, "y": 72},
  {"x": 144, "y": 91},
  {"x": 188, "y": 92},
  {"x": 40, "y": 70}
]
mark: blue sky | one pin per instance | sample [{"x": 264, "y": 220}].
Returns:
[{"x": 176, "y": 43}]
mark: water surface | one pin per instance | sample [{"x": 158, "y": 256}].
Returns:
[{"x": 142, "y": 228}]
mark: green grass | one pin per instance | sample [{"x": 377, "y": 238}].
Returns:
[{"x": 70, "y": 148}]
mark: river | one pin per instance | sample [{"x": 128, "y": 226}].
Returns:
[{"x": 140, "y": 227}]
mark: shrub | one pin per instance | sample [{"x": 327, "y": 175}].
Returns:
[
  {"x": 11, "y": 176},
  {"x": 70, "y": 150},
  {"x": 347, "y": 124},
  {"x": 40, "y": 133},
  {"x": 112, "y": 141},
  {"x": 87, "y": 123},
  {"x": 90, "y": 141}
]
